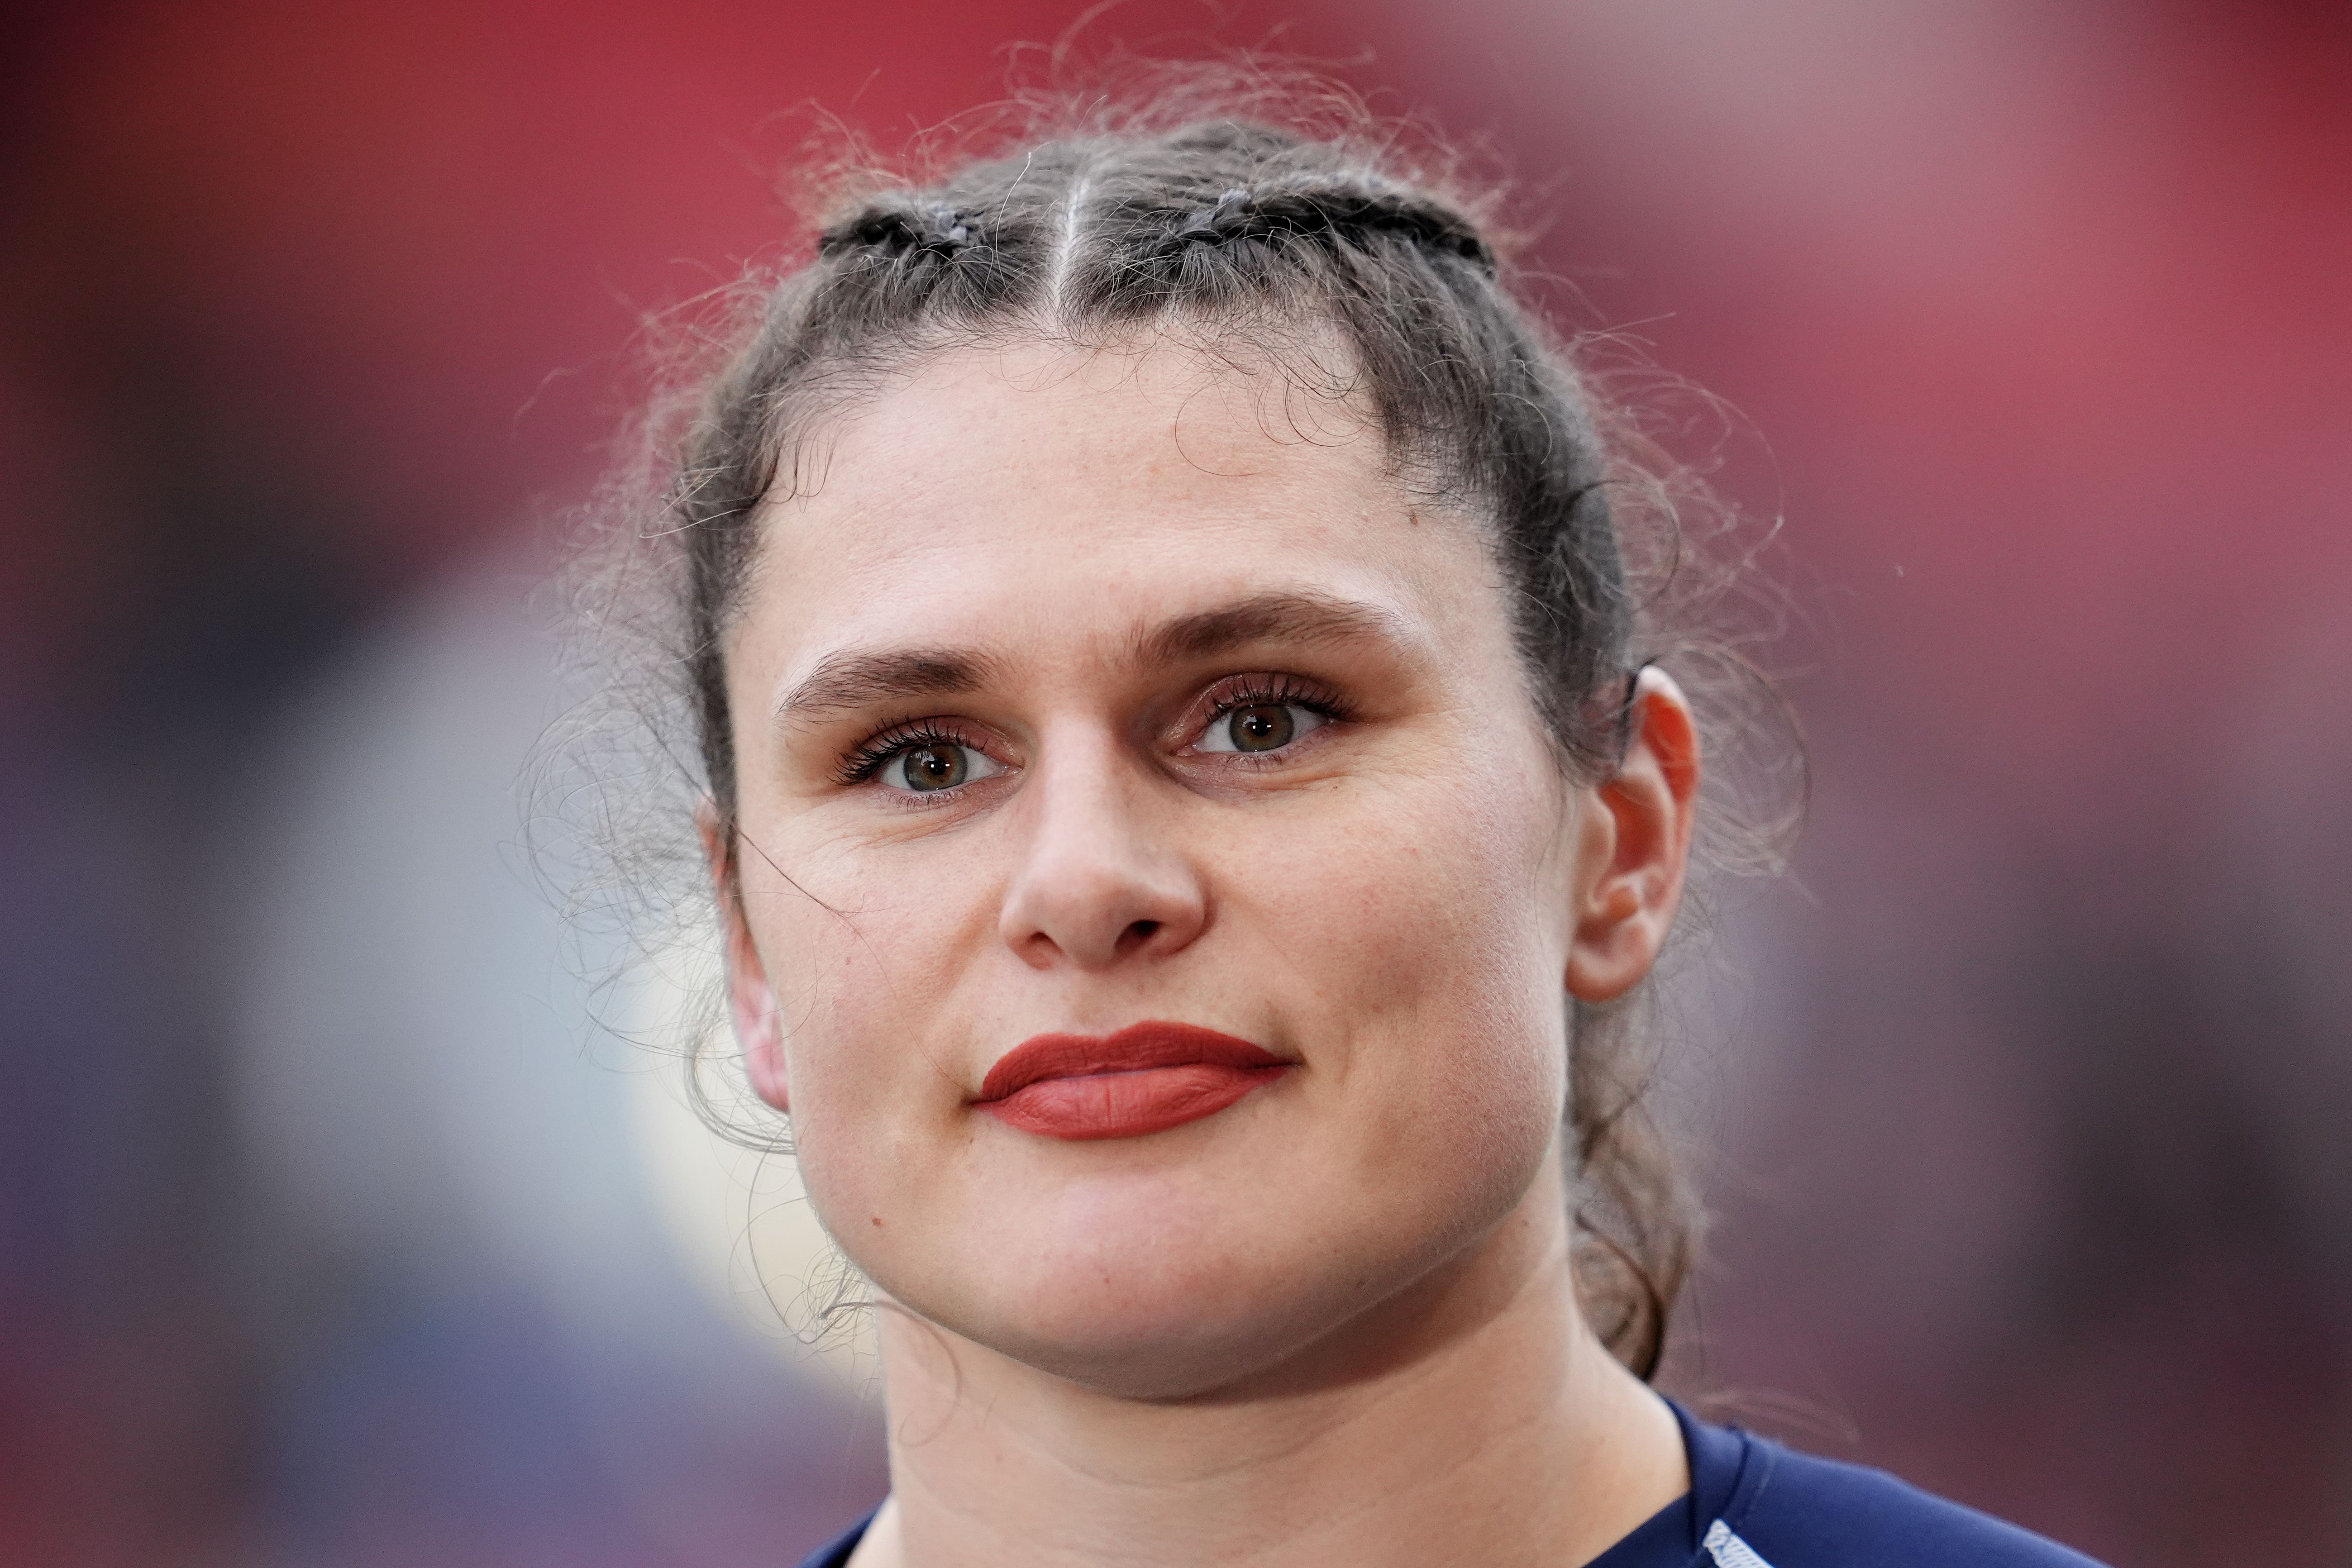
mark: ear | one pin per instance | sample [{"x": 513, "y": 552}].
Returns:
[
  {"x": 751, "y": 999},
  {"x": 1635, "y": 846}
]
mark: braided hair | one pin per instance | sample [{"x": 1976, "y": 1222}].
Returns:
[{"x": 1258, "y": 235}]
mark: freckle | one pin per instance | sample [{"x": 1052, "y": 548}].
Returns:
[{"x": 878, "y": 1222}]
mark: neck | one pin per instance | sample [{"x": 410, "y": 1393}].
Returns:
[{"x": 1473, "y": 1417}]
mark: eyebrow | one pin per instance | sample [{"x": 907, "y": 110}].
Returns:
[
  {"x": 853, "y": 679},
  {"x": 1302, "y": 617}
]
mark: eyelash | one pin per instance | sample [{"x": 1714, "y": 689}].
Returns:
[
  {"x": 1273, "y": 691},
  {"x": 871, "y": 755}
]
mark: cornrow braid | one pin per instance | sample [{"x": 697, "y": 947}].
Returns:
[
  {"x": 1332, "y": 212},
  {"x": 896, "y": 230}
]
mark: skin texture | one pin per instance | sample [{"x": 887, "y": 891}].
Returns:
[{"x": 1335, "y": 1321}]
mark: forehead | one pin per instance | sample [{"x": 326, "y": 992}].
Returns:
[{"x": 1047, "y": 492}]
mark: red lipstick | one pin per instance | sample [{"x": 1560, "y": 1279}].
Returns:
[{"x": 1146, "y": 1078}]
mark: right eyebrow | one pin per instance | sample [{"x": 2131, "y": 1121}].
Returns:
[{"x": 852, "y": 680}]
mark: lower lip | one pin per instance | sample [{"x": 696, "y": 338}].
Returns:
[{"x": 1117, "y": 1102}]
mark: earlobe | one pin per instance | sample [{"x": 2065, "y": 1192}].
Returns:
[
  {"x": 1637, "y": 848},
  {"x": 750, "y": 996}
]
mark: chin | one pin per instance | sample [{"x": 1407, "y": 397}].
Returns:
[
  {"x": 1210, "y": 1262},
  {"x": 1163, "y": 1338},
  {"x": 1169, "y": 1303}
]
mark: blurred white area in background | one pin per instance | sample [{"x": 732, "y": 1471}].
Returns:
[
  {"x": 742, "y": 1224},
  {"x": 423, "y": 1085}
]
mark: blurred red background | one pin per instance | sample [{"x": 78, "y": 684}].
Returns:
[{"x": 2028, "y": 1140}]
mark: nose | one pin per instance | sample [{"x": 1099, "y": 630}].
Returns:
[{"x": 1100, "y": 881}]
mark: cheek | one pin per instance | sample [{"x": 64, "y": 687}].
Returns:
[
  {"x": 1421, "y": 941},
  {"x": 866, "y": 950}
]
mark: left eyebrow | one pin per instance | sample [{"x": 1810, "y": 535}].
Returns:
[
  {"x": 1301, "y": 617},
  {"x": 852, "y": 679}
]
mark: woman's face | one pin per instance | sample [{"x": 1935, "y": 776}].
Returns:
[{"x": 1085, "y": 691}]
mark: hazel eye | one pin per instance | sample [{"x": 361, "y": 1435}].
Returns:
[
  {"x": 930, "y": 766},
  {"x": 1260, "y": 727}
]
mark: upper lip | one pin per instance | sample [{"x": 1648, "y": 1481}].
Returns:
[{"x": 1135, "y": 1048}]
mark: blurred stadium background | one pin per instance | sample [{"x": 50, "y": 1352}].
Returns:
[{"x": 330, "y": 1234}]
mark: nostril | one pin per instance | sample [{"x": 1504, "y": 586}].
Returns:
[{"x": 1139, "y": 933}]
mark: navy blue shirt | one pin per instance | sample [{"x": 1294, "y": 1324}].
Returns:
[{"x": 1754, "y": 1504}]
